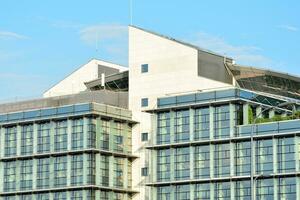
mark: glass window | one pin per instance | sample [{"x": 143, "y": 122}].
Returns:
[
  {"x": 264, "y": 189},
  {"x": 144, "y": 68},
  {"x": 77, "y": 170},
  {"x": 104, "y": 170},
  {"x": 182, "y": 126},
  {"x": 26, "y": 175},
  {"x": 118, "y": 142},
  {"x": 144, "y": 102},
  {"x": 82, "y": 108},
  {"x": 222, "y": 160},
  {"x": 104, "y": 134},
  {"x": 61, "y": 136},
  {"x": 43, "y": 196},
  {"x": 222, "y": 190},
  {"x": 60, "y": 196},
  {"x": 163, "y": 165},
  {"x": 286, "y": 155},
  {"x": 91, "y": 166},
  {"x": 202, "y": 191},
  {"x": 144, "y": 137},
  {"x": 10, "y": 176},
  {"x": 201, "y": 124},
  {"x": 242, "y": 190},
  {"x": 144, "y": 171},
  {"x": 118, "y": 172},
  {"x": 164, "y": 193},
  {"x": 43, "y": 173},
  {"x": 264, "y": 157},
  {"x": 77, "y": 134},
  {"x": 65, "y": 110},
  {"x": 242, "y": 158},
  {"x": 182, "y": 192},
  {"x": 221, "y": 122},
  {"x": 26, "y": 197},
  {"x": 185, "y": 99},
  {"x": 91, "y": 133},
  {"x": 201, "y": 155},
  {"x": 182, "y": 163},
  {"x": 77, "y": 195},
  {"x": 163, "y": 128},
  {"x": 166, "y": 101},
  {"x": 10, "y": 141},
  {"x": 27, "y": 140},
  {"x": 60, "y": 171},
  {"x": 43, "y": 140},
  {"x": 287, "y": 188}
]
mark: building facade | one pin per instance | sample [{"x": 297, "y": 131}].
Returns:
[{"x": 180, "y": 123}]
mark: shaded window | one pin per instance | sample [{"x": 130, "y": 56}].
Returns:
[
  {"x": 144, "y": 137},
  {"x": 144, "y": 68},
  {"x": 144, "y": 102},
  {"x": 145, "y": 171}
]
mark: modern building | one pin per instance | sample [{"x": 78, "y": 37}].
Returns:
[{"x": 180, "y": 123}]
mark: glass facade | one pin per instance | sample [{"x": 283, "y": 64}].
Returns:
[
  {"x": 64, "y": 155},
  {"x": 210, "y": 148}
]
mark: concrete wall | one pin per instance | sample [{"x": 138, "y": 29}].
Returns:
[
  {"x": 173, "y": 68},
  {"x": 74, "y": 83}
]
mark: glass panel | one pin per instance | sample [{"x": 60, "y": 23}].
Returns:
[
  {"x": 182, "y": 126},
  {"x": 166, "y": 101},
  {"x": 242, "y": 158},
  {"x": 163, "y": 128},
  {"x": 202, "y": 158},
  {"x": 286, "y": 154},
  {"x": 186, "y": 99},
  {"x": 222, "y": 160},
  {"x": 182, "y": 192},
  {"x": 202, "y": 191},
  {"x": 65, "y": 110},
  {"x": 32, "y": 114},
  {"x": 201, "y": 123},
  {"x": 264, "y": 157},
  {"x": 182, "y": 163},
  {"x": 221, "y": 121},
  {"x": 163, "y": 165}
]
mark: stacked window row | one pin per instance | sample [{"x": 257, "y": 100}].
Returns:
[
  {"x": 201, "y": 119},
  {"x": 62, "y": 171},
  {"x": 54, "y": 137},
  {"x": 280, "y": 155},
  {"x": 283, "y": 188},
  {"x": 74, "y": 195}
]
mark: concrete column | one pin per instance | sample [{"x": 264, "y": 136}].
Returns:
[
  {"x": 192, "y": 191},
  {"x": 34, "y": 173},
  {"x": 69, "y": 136},
  {"x": 35, "y": 138},
  {"x": 153, "y": 132},
  {"x": 98, "y": 131},
  {"x": 69, "y": 170},
  {"x": 297, "y": 186},
  {"x": 271, "y": 113},
  {"x": 232, "y": 119},
  {"x": 125, "y": 174},
  {"x": 211, "y": 122},
  {"x": 275, "y": 166},
  {"x": 19, "y": 139},
  {"x": 212, "y": 191},
  {"x": 172, "y": 164},
  {"x": 153, "y": 167},
  {"x": 97, "y": 170},
  {"x": 111, "y": 135},
  {"x": 296, "y": 146},
  {"x": 85, "y": 168},
  {"x": 246, "y": 113},
  {"x": 153, "y": 195},
  {"x": 52, "y": 133},
  {"x": 2, "y": 141},
  {"x": 232, "y": 150},
  {"x": 232, "y": 190},
  {"x": 172, "y": 126},
  {"x": 51, "y": 172},
  {"x": 192, "y": 169},
  {"x": 258, "y": 112},
  {"x": 111, "y": 171},
  {"x": 192, "y": 114},
  {"x": 276, "y": 188},
  {"x": 85, "y": 132},
  {"x": 211, "y": 160}
]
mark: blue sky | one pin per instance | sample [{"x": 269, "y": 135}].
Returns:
[{"x": 43, "y": 41}]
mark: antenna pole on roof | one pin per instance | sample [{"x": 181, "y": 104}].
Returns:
[{"x": 130, "y": 11}]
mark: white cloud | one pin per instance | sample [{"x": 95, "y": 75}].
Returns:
[
  {"x": 12, "y": 35},
  {"x": 289, "y": 28},
  {"x": 248, "y": 55},
  {"x": 109, "y": 40},
  {"x": 94, "y": 33}
]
